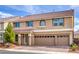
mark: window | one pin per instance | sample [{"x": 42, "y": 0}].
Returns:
[
  {"x": 42, "y": 23},
  {"x": 58, "y": 22},
  {"x": 1, "y": 26},
  {"x": 17, "y": 24},
  {"x": 29, "y": 23},
  {"x": 1, "y": 36},
  {"x": 16, "y": 37}
]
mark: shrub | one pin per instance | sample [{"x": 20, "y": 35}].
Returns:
[
  {"x": 73, "y": 46},
  {"x": 9, "y": 34}
]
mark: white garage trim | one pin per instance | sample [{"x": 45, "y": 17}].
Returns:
[
  {"x": 71, "y": 39},
  {"x": 52, "y": 30}
]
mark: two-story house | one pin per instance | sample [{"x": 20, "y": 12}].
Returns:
[{"x": 48, "y": 29}]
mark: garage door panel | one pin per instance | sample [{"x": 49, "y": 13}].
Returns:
[
  {"x": 62, "y": 40},
  {"x": 44, "y": 40}
]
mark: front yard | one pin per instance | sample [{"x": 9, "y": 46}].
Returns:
[{"x": 32, "y": 49}]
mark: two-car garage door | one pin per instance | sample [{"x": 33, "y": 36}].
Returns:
[{"x": 51, "y": 40}]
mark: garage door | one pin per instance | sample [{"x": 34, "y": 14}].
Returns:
[
  {"x": 62, "y": 40},
  {"x": 51, "y": 40},
  {"x": 44, "y": 40}
]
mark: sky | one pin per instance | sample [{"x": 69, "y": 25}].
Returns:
[{"x": 24, "y": 10}]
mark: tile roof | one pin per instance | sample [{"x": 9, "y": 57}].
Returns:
[
  {"x": 50, "y": 15},
  {"x": 9, "y": 19}
]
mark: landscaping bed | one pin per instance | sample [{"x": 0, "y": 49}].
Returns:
[
  {"x": 10, "y": 45},
  {"x": 74, "y": 47}
]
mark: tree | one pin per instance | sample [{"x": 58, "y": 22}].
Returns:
[{"x": 9, "y": 35}]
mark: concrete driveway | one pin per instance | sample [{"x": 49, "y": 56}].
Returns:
[
  {"x": 35, "y": 49},
  {"x": 15, "y": 52},
  {"x": 44, "y": 48}
]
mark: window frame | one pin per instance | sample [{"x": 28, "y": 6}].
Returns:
[
  {"x": 43, "y": 24},
  {"x": 58, "y": 21},
  {"x": 27, "y": 23},
  {"x": 17, "y": 25}
]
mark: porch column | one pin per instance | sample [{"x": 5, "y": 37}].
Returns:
[
  {"x": 31, "y": 39},
  {"x": 19, "y": 39},
  {"x": 55, "y": 40},
  {"x": 71, "y": 39},
  {"x": 25, "y": 40}
]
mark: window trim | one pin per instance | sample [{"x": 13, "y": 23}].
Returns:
[
  {"x": 43, "y": 25},
  {"x": 17, "y": 26},
  {"x": 28, "y": 22},
  {"x": 58, "y": 19}
]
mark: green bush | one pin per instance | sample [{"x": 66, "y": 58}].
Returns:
[
  {"x": 9, "y": 34},
  {"x": 73, "y": 46}
]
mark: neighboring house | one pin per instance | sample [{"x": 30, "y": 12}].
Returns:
[
  {"x": 3, "y": 24},
  {"x": 76, "y": 34},
  {"x": 76, "y": 37},
  {"x": 48, "y": 29}
]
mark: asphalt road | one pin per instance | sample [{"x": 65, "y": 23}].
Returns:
[{"x": 12, "y": 52}]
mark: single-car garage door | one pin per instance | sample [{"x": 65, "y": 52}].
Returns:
[
  {"x": 51, "y": 40},
  {"x": 45, "y": 40},
  {"x": 62, "y": 40}
]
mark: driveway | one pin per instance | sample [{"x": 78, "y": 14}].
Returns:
[
  {"x": 15, "y": 52},
  {"x": 34, "y": 49},
  {"x": 45, "y": 48}
]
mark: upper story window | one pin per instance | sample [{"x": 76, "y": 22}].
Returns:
[
  {"x": 42, "y": 23},
  {"x": 17, "y": 24},
  {"x": 29, "y": 23},
  {"x": 58, "y": 22}
]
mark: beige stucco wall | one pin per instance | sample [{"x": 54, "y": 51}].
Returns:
[
  {"x": 68, "y": 23},
  {"x": 36, "y": 24},
  {"x": 23, "y": 24},
  {"x": 5, "y": 25}
]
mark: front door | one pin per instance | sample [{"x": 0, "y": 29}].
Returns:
[
  {"x": 16, "y": 38},
  {"x": 24, "y": 39}
]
